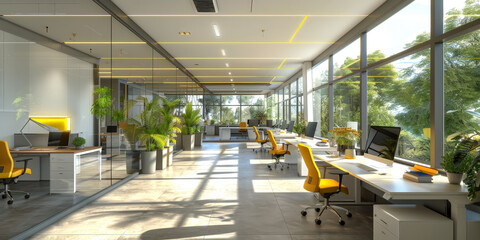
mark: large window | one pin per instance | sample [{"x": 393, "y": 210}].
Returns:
[
  {"x": 320, "y": 73},
  {"x": 346, "y": 102},
  {"x": 406, "y": 28},
  {"x": 320, "y": 111},
  {"x": 399, "y": 95},
  {"x": 346, "y": 60},
  {"x": 462, "y": 83},
  {"x": 460, "y": 12}
]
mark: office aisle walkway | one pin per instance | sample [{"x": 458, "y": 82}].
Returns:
[{"x": 222, "y": 191}]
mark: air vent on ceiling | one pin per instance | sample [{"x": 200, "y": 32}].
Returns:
[{"x": 206, "y": 6}]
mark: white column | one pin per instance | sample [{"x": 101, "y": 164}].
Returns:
[{"x": 307, "y": 78}]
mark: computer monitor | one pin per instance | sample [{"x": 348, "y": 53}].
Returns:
[
  {"x": 253, "y": 122},
  {"x": 290, "y": 126},
  {"x": 58, "y": 138},
  {"x": 284, "y": 123},
  {"x": 311, "y": 128},
  {"x": 382, "y": 143}
]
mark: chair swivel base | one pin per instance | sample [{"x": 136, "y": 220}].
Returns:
[
  {"x": 277, "y": 162},
  {"x": 321, "y": 208},
  {"x": 8, "y": 193}
]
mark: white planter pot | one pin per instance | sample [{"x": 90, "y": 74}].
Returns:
[
  {"x": 455, "y": 178},
  {"x": 162, "y": 158},
  {"x": 188, "y": 142},
  {"x": 210, "y": 130},
  {"x": 149, "y": 160},
  {"x": 132, "y": 161},
  {"x": 198, "y": 139}
]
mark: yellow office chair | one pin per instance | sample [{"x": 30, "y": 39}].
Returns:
[
  {"x": 258, "y": 140},
  {"x": 242, "y": 128},
  {"x": 277, "y": 153},
  {"x": 8, "y": 173},
  {"x": 324, "y": 186}
]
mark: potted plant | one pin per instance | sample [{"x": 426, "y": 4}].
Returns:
[
  {"x": 301, "y": 128},
  {"x": 210, "y": 129},
  {"x": 169, "y": 127},
  {"x": 198, "y": 135},
  {"x": 162, "y": 154},
  {"x": 456, "y": 172},
  {"x": 345, "y": 139},
  {"x": 147, "y": 124},
  {"x": 79, "y": 143},
  {"x": 132, "y": 158},
  {"x": 191, "y": 118},
  {"x": 262, "y": 116},
  {"x": 101, "y": 105}
]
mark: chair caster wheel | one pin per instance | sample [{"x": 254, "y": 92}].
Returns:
[
  {"x": 304, "y": 213},
  {"x": 27, "y": 196},
  {"x": 4, "y": 196},
  {"x": 317, "y": 209},
  {"x": 10, "y": 201},
  {"x": 281, "y": 169},
  {"x": 349, "y": 214},
  {"x": 318, "y": 221},
  {"x": 342, "y": 222}
]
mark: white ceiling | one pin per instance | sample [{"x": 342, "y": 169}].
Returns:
[{"x": 253, "y": 56}]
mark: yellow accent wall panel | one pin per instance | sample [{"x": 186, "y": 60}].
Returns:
[{"x": 60, "y": 123}]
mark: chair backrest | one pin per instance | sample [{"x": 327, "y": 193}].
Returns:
[
  {"x": 243, "y": 124},
  {"x": 6, "y": 160},
  {"x": 256, "y": 133},
  {"x": 290, "y": 126},
  {"x": 272, "y": 140},
  {"x": 313, "y": 177}
]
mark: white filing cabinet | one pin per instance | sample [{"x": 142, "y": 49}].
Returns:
[{"x": 409, "y": 222}]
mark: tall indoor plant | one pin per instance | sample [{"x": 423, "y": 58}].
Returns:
[
  {"x": 101, "y": 106},
  {"x": 191, "y": 118},
  {"x": 168, "y": 127}
]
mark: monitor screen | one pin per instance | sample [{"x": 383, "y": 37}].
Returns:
[
  {"x": 290, "y": 126},
  {"x": 311, "y": 128},
  {"x": 382, "y": 142},
  {"x": 284, "y": 122},
  {"x": 58, "y": 138}
]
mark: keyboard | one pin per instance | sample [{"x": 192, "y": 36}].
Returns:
[{"x": 365, "y": 167}]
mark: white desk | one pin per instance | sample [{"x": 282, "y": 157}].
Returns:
[
  {"x": 226, "y": 132},
  {"x": 296, "y": 158},
  {"x": 64, "y": 165},
  {"x": 396, "y": 188}
]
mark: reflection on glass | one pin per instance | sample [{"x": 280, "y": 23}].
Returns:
[
  {"x": 408, "y": 27},
  {"x": 320, "y": 73},
  {"x": 462, "y": 88},
  {"x": 345, "y": 61},
  {"x": 320, "y": 111},
  {"x": 459, "y": 12},
  {"x": 399, "y": 95}
]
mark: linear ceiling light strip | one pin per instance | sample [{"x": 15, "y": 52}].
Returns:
[{"x": 123, "y": 18}]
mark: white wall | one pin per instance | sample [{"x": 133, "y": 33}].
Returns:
[{"x": 50, "y": 83}]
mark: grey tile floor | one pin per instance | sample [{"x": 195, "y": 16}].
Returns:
[{"x": 221, "y": 191}]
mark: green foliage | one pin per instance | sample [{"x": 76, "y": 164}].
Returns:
[
  {"x": 212, "y": 122},
  {"x": 147, "y": 123},
  {"x": 471, "y": 178},
  {"x": 169, "y": 123},
  {"x": 449, "y": 162},
  {"x": 300, "y": 127},
  {"x": 191, "y": 118},
  {"x": 78, "y": 141},
  {"x": 118, "y": 115},
  {"x": 260, "y": 114},
  {"x": 103, "y": 101}
]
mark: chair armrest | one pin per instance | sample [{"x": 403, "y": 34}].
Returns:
[
  {"x": 25, "y": 160},
  {"x": 340, "y": 177}
]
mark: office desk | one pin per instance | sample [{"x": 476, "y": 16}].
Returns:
[
  {"x": 295, "y": 156},
  {"x": 226, "y": 132},
  {"x": 395, "y": 187},
  {"x": 64, "y": 165},
  {"x": 280, "y": 136}
]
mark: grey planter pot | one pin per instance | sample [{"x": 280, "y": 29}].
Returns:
[
  {"x": 188, "y": 142},
  {"x": 80, "y": 147},
  {"x": 170, "y": 156},
  {"x": 149, "y": 160},
  {"x": 132, "y": 161},
  {"x": 178, "y": 144},
  {"x": 198, "y": 139},
  {"x": 455, "y": 178},
  {"x": 210, "y": 130},
  {"x": 162, "y": 159}
]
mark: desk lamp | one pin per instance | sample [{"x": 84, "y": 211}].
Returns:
[{"x": 46, "y": 127}]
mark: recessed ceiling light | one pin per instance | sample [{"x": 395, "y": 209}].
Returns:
[
  {"x": 231, "y": 79},
  {"x": 223, "y": 52},
  {"x": 184, "y": 33},
  {"x": 229, "y": 73},
  {"x": 216, "y": 30},
  {"x": 226, "y": 64}
]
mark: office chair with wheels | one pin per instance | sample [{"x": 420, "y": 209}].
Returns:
[
  {"x": 323, "y": 186},
  {"x": 258, "y": 140},
  {"x": 10, "y": 174},
  {"x": 276, "y": 153}
]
